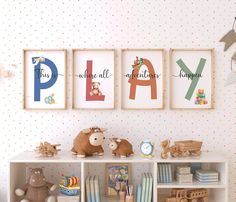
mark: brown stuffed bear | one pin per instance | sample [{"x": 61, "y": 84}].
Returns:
[
  {"x": 95, "y": 89},
  {"x": 37, "y": 189},
  {"x": 121, "y": 147},
  {"x": 89, "y": 142}
]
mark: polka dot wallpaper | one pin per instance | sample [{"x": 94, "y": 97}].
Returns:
[{"x": 115, "y": 24}]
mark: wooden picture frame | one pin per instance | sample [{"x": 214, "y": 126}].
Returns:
[
  {"x": 90, "y": 58},
  {"x": 154, "y": 60},
  {"x": 114, "y": 177},
  {"x": 50, "y": 94},
  {"x": 191, "y": 78}
]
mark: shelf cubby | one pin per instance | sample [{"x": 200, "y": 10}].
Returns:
[
  {"x": 215, "y": 194},
  {"x": 218, "y": 166}
]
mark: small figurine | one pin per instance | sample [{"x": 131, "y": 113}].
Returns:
[
  {"x": 147, "y": 148},
  {"x": 188, "y": 195},
  {"x": 95, "y": 89},
  {"x": 165, "y": 145},
  {"x": 89, "y": 142},
  {"x": 37, "y": 189},
  {"x": 121, "y": 147},
  {"x": 69, "y": 185},
  {"x": 46, "y": 149},
  {"x": 181, "y": 148}
]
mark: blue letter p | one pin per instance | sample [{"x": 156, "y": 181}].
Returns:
[{"x": 37, "y": 61}]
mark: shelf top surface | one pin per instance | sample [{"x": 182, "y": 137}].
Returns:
[
  {"x": 194, "y": 184},
  {"x": 67, "y": 156}
]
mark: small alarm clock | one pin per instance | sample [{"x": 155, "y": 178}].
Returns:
[{"x": 147, "y": 148}]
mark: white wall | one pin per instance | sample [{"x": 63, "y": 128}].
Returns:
[{"x": 115, "y": 24}]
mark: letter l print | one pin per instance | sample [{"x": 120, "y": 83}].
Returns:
[{"x": 195, "y": 80}]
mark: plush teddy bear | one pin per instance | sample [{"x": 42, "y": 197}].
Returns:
[
  {"x": 37, "y": 189},
  {"x": 95, "y": 89}
]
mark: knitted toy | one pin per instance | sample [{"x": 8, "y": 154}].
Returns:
[{"x": 37, "y": 189}]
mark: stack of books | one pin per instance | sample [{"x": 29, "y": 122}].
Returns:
[
  {"x": 184, "y": 175},
  {"x": 92, "y": 189},
  {"x": 164, "y": 173},
  {"x": 144, "y": 190},
  {"x": 205, "y": 176}
]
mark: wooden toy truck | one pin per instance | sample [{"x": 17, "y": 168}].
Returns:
[
  {"x": 181, "y": 148},
  {"x": 184, "y": 195}
]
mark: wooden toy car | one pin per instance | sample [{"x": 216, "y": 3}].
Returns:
[
  {"x": 181, "y": 148},
  {"x": 184, "y": 195}
]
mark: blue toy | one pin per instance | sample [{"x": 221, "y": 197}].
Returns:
[{"x": 69, "y": 185}]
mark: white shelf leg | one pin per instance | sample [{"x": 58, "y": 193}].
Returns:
[
  {"x": 226, "y": 181},
  {"x": 9, "y": 184},
  {"x": 155, "y": 182},
  {"x": 82, "y": 182}
]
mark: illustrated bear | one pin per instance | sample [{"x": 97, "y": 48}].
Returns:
[
  {"x": 121, "y": 147},
  {"x": 37, "y": 189},
  {"x": 89, "y": 142},
  {"x": 95, "y": 89}
]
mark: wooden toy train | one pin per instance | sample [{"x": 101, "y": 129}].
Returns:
[
  {"x": 184, "y": 195},
  {"x": 69, "y": 185},
  {"x": 181, "y": 148}
]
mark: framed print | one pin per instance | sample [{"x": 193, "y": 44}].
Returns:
[
  {"x": 142, "y": 78},
  {"x": 118, "y": 175},
  {"x": 44, "y": 79},
  {"x": 191, "y": 78},
  {"x": 93, "y": 79}
]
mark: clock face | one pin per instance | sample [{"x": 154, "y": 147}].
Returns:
[{"x": 146, "y": 148}]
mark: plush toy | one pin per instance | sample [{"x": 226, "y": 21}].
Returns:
[
  {"x": 121, "y": 147},
  {"x": 95, "y": 89},
  {"x": 37, "y": 189},
  {"x": 89, "y": 142}
]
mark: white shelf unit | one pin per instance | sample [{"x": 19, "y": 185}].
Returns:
[{"x": 66, "y": 163}]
